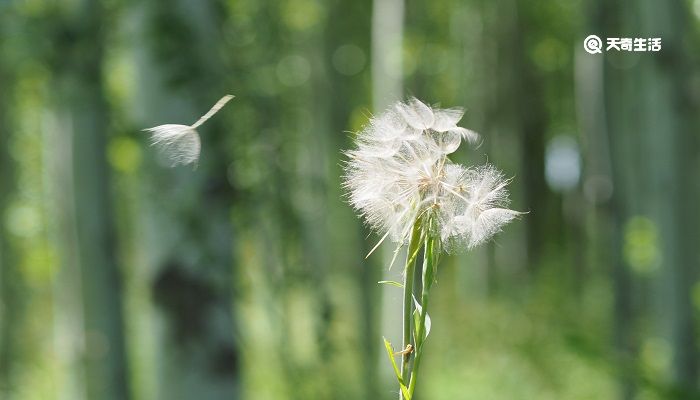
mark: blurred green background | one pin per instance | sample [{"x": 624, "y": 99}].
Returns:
[{"x": 246, "y": 278}]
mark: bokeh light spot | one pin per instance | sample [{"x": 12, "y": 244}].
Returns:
[
  {"x": 656, "y": 355},
  {"x": 549, "y": 54},
  {"x": 301, "y": 14},
  {"x": 293, "y": 70},
  {"x": 562, "y": 163},
  {"x": 124, "y": 154},
  {"x": 641, "y": 250},
  {"x": 349, "y": 59},
  {"x": 23, "y": 220}
]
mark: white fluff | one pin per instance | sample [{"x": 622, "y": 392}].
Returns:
[
  {"x": 400, "y": 171},
  {"x": 180, "y": 144}
]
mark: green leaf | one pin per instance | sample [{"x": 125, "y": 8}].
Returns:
[
  {"x": 416, "y": 325},
  {"x": 390, "y": 353},
  {"x": 416, "y": 318},
  {"x": 394, "y": 283}
]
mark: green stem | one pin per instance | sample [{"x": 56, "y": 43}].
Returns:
[
  {"x": 413, "y": 247},
  {"x": 429, "y": 264}
]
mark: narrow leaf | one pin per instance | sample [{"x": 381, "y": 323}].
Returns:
[
  {"x": 428, "y": 324},
  {"x": 416, "y": 315},
  {"x": 416, "y": 324},
  {"x": 390, "y": 353},
  {"x": 394, "y": 283}
]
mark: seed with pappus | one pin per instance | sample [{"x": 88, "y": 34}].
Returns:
[
  {"x": 180, "y": 144},
  {"x": 400, "y": 171}
]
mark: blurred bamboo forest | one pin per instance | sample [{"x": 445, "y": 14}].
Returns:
[{"x": 246, "y": 277}]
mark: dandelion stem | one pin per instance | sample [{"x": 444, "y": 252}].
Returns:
[
  {"x": 430, "y": 260},
  {"x": 413, "y": 247}
]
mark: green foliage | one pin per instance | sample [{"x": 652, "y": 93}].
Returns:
[
  {"x": 248, "y": 275},
  {"x": 402, "y": 384}
]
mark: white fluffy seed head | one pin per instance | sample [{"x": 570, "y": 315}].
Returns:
[
  {"x": 400, "y": 171},
  {"x": 180, "y": 144}
]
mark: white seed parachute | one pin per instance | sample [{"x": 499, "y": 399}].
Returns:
[{"x": 180, "y": 144}]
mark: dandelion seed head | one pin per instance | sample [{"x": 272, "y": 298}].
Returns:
[
  {"x": 400, "y": 171},
  {"x": 180, "y": 144}
]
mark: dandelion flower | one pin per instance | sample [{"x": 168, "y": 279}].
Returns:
[
  {"x": 180, "y": 143},
  {"x": 400, "y": 171},
  {"x": 401, "y": 181}
]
